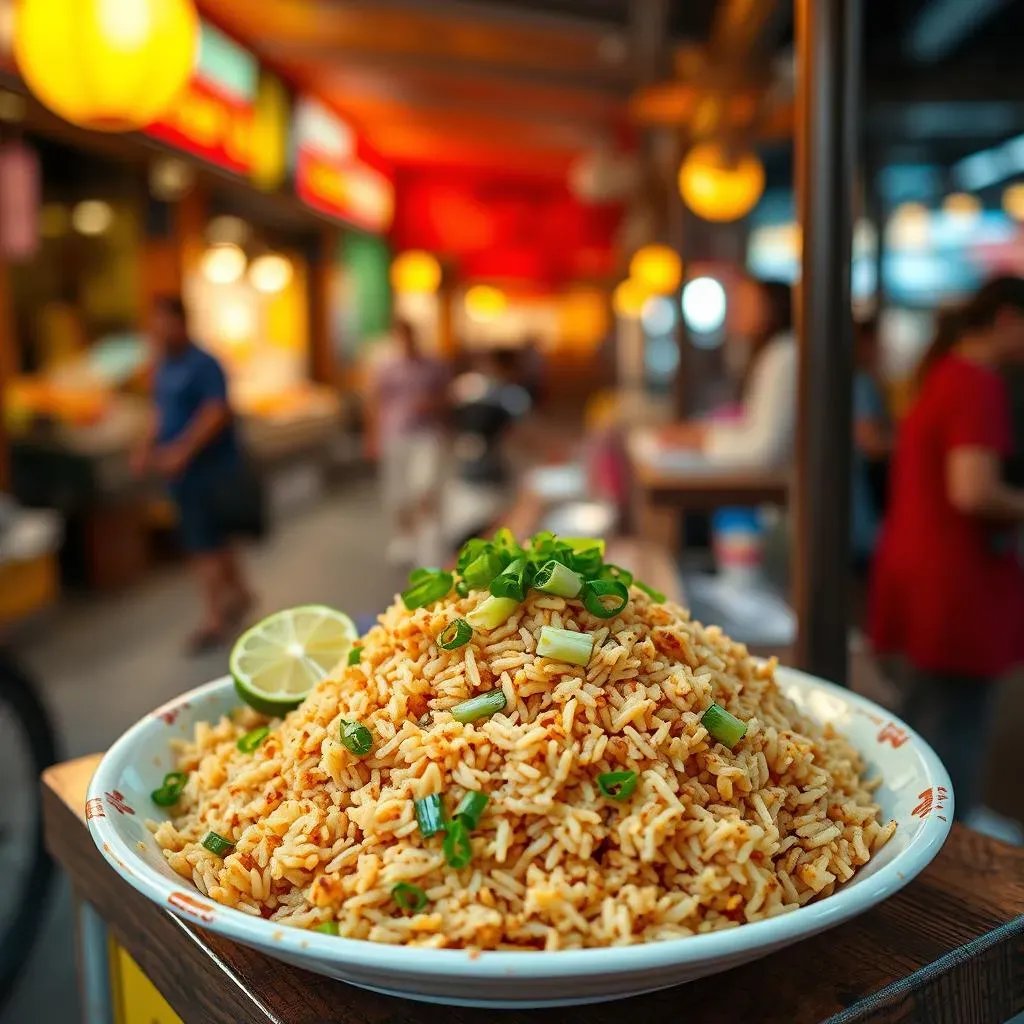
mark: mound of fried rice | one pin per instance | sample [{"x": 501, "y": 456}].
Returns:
[{"x": 711, "y": 837}]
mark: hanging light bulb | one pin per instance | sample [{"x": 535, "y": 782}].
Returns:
[
  {"x": 629, "y": 298},
  {"x": 484, "y": 303},
  {"x": 657, "y": 268},
  {"x": 223, "y": 264},
  {"x": 92, "y": 217},
  {"x": 718, "y": 188},
  {"x": 415, "y": 273},
  {"x": 271, "y": 273}
]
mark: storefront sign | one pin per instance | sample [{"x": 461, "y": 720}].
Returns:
[
  {"x": 329, "y": 175},
  {"x": 214, "y": 118}
]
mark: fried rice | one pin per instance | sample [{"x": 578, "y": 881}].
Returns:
[{"x": 712, "y": 837}]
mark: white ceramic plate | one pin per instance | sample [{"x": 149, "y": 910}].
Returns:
[{"x": 916, "y": 792}]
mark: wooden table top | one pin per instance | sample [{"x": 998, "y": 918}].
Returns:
[{"x": 948, "y": 949}]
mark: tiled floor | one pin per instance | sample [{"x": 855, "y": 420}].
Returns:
[{"x": 104, "y": 663}]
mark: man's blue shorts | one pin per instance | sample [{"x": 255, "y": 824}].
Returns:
[{"x": 198, "y": 526}]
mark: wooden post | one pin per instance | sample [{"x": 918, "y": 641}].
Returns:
[
  {"x": 323, "y": 360},
  {"x": 828, "y": 44}
]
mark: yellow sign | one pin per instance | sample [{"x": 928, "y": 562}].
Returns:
[{"x": 136, "y": 999}]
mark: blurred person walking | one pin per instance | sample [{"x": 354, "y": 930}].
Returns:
[
  {"x": 410, "y": 393},
  {"x": 192, "y": 443},
  {"x": 948, "y": 590}
]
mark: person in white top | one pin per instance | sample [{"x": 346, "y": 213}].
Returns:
[{"x": 763, "y": 433}]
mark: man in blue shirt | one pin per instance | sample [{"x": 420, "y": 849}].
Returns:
[{"x": 192, "y": 443}]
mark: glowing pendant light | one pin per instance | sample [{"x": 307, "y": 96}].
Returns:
[
  {"x": 415, "y": 273},
  {"x": 629, "y": 298},
  {"x": 717, "y": 188},
  {"x": 108, "y": 65},
  {"x": 657, "y": 269}
]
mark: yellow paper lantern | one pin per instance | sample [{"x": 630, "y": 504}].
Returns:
[
  {"x": 485, "y": 303},
  {"x": 717, "y": 188},
  {"x": 629, "y": 298},
  {"x": 415, "y": 273},
  {"x": 656, "y": 268},
  {"x": 108, "y": 65}
]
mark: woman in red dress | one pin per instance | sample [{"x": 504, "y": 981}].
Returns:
[{"x": 948, "y": 590}]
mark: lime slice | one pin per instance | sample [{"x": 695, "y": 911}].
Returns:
[{"x": 277, "y": 662}]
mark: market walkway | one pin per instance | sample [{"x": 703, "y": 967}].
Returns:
[{"x": 105, "y": 663}]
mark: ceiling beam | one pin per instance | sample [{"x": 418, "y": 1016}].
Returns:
[
  {"x": 944, "y": 24},
  {"x": 743, "y": 29}
]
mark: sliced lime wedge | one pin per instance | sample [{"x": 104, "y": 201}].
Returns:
[{"x": 277, "y": 662}]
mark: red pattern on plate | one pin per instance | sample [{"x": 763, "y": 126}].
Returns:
[
  {"x": 191, "y": 906},
  {"x": 117, "y": 800},
  {"x": 94, "y": 809},
  {"x": 891, "y": 733},
  {"x": 169, "y": 715},
  {"x": 931, "y": 800}
]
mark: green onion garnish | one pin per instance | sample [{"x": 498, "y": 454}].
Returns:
[
  {"x": 411, "y": 898},
  {"x": 430, "y": 814},
  {"x": 423, "y": 572},
  {"x": 655, "y": 595},
  {"x": 456, "y": 634},
  {"x": 479, "y": 573},
  {"x": 565, "y": 645},
  {"x": 428, "y": 586},
  {"x": 354, "y": 655},
  {"x": 327, "y": 927},
  {"x": 555, "y": 578},
  {"x": 617, "y": 785},
  {"x": 586, "y": 555},
  {"x": 513, "y": 580},
  {"x": 217, "y": 844},
  {"x": 604, "y": 599},
  {"x": 356, "y": 738},
  {"x": 251, "y": 740},
  {"x": 725, "y": 728},
  {"x": 615, "y": 572},
  {"x": 461, "y": 588},
  {"x": 170, "y": 790},
  {"x": 483, "y": 705},
  {"x": 458, "y": 850},
  {"x": 471, "y": 806},
  {"x": 504, "y": 540},
  {"x": 492, "y": 613}
]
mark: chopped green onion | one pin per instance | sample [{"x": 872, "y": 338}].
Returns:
[
  {"x": 327, "y": 927},
  {"x": 356, "y": 738},
  {"x": 565, "y": 645},
  {"x": 427, "y": 587},
  {"x": 411, "y": 898},
  {"x": 423, "y": 572},
  {"x": 461, "y": 588},
  {"x": 596, "y": 594},
  {"x": 504, "y": 540},
  {"x": 581, "y": 544},
  {"x": 513, "y": 581},
  {"x": 492, "y": 613},
  {"x": 555, "y": 578},
  {"x": 725, "y": 728},
  {"x": 217, "y": 844},
  {"x": 170, "y": 790},
  {"x": 655, "y": 595},
  {"x": 251, "y": 740},
  {"x": 483, "y": 705},
  {"x": 471, "y": 806},
  {"x": 615, "y": 572},
  {"x": 617, "y": 785},
  {"x": 586, "y": 555},
  {"x": 479, "y": 573},
  {"x": 430, "y": 814},
  {"x": 458, "y": 850},
  {"x": 470, "y": 551},
  {"x": 354, "y": 655},
  {"x": 456, "y": 634}
]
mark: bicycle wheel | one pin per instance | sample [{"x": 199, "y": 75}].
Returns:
[{"x": 27, "y": 747}]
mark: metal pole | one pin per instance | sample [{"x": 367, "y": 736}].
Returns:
[{"x": 828, "y": 45}]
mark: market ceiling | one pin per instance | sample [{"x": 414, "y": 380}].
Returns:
[{"x": 524, "y": 86}]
